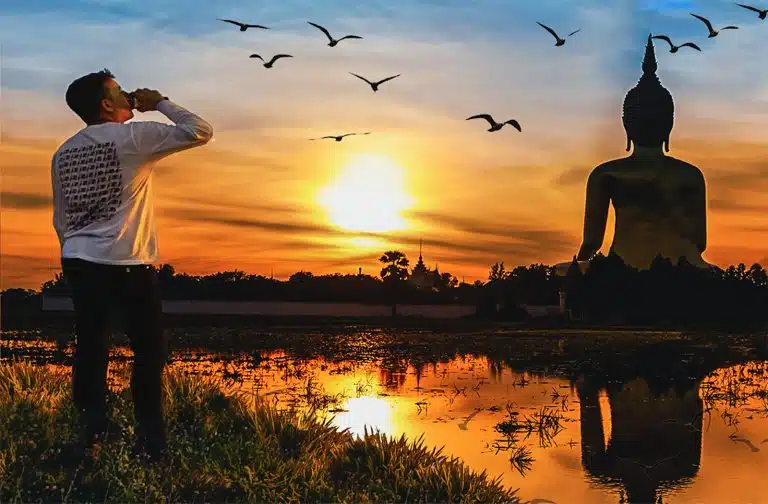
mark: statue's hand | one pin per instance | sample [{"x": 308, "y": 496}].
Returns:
[{"x": 562, "y": 268}]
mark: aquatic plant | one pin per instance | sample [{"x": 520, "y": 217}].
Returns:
[{"x": 545, "y": 423}]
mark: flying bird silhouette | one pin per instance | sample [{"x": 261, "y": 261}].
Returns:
[
  {"x": 332, "y": 40},
  {"x": 338, "y": 138},
  {"x": 494, "y": 125},
  {"x": 243, "y": 26},
  {"x": 712, "y": 31},
  {"x": 762, "y": 13},
  {"x": 375, "y": 85},
  {"x": 672, "y": 47},
  {"x": 268, "y": 64},
  {"x": 559, "y": 40}
]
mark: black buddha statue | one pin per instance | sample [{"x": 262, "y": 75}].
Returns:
[{"x": 659, "y": 201}]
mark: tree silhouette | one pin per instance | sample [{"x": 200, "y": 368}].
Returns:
[
  {"x": 301, "y": 277},
  {"x": 574, "y": 289},
  {"x": 394, "y": 274},
  {"x": 396, "y": 268},
  {"x": 58, "y": 283},
  {"x": 165, "y": 273},
  {"x": 497, "y": 272},
  {"x": 757, "y": 275}
]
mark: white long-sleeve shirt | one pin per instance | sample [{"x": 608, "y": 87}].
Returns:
[{"x": 103, "y": 209}]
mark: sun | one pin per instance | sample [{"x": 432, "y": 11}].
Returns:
[{"x": 368, "y": 196}]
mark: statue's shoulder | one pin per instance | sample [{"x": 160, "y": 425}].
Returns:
[
  {"x": 685, "y": 170},
  {"x": 608, "y": 168}
]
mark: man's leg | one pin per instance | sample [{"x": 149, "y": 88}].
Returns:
[
  {"x": 141, "y": 305},
  {"x": 89, "y": 285}
]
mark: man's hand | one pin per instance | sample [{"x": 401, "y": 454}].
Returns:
[{"x": 147, "y": 99}]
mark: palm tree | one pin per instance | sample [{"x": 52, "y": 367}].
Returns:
[
  {"x": 394, "y": 273},
  {"x": 396, "y": 266}
]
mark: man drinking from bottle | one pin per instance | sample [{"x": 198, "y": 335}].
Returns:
[{"x": 104, "y": 219}]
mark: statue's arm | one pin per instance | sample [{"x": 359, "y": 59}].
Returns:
[
  {"x": 699, "y": 211},
  {"x": 595, "y": 216}
]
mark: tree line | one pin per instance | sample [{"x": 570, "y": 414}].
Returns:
[
  {"x": 668, "y": 293},
  {"x": 609, "y": 291}
]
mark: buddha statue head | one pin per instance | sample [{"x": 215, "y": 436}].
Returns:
[{"x": 648, "y": 107}]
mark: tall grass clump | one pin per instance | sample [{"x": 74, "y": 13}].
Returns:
[{"x": 220, "y": 449}]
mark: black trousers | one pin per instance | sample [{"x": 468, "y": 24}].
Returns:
[{"x": 134, "y": 292}]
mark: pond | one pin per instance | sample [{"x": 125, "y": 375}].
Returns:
[{"x": 615, "y": 439}]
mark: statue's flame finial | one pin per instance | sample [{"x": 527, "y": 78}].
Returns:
[
  {"x": 648, "y": 107},
  {"x": 649, "y": 61}
]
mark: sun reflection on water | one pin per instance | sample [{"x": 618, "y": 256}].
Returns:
[{"x": 374, "y": 413}]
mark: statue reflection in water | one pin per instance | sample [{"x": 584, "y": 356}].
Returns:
[
  {"x": 656, "y": 417},
  {"x": 655, "y": 438}
]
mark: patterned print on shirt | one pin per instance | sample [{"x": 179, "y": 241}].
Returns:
[{"x": 91, "y": 182}]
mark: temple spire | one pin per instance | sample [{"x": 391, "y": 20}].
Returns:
[{"x": 420, "y": 249}]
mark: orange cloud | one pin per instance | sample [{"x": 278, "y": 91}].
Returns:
[
  {"x": 225, "y": 209},
  {"x": 248, "y": 200}
]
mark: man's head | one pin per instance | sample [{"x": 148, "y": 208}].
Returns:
[
  {"x": 649, "y": 110},
  {"x": 98, "y": 98}
]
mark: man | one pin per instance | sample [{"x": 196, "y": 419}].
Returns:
[
  {"x": 103, "y": 216},
  {"x": 660, "y": 201}
]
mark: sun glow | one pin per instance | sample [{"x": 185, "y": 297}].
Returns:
[
  {"x": 373, "y": 413},
  {"x": 368, "y": 196}
]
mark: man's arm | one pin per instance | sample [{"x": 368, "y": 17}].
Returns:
[
  {"x": 156, "y": 140},
  {"x": 595, "y": 216},
  {"x": 59, "y": 217}
]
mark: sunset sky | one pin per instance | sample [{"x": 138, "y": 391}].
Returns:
[{"x": 261, "y": 197}]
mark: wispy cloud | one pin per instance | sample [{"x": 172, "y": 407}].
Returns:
[
  {"x": 497, "y": 227},
  {"x": 439, "y": 79},
  {"x": 573, "y": 176},
  {"x": 246, "y": 222},
  {"x": 503, "y": 241},
  {"x": 480, "y": 197},
  {"x": 27, "y": 271},
  {"x": 25, "y": 201},
  {"x": 733, "y": 205}
]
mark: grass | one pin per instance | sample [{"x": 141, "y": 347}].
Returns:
[{"x": 220, "y": 450}]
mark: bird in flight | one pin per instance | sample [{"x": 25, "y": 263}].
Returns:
[
  {"x": 332, "y": 40},
  {"x": 672, "y": 47},
  {"x": 559, "y": 40},
  {"x": 494, "y": 125},
  {"x": 762, "y": 13},
  {"x": 375, "y": 85},
  {"x": 243, "y": 26},
  {"x": 712, "y": 31},
  {"x": 338, "y": 138},
  {"x": 268, "y": 64}
]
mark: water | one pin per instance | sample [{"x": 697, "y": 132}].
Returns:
[{"x": 589, "y": 440}]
